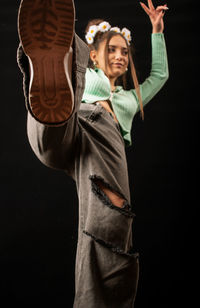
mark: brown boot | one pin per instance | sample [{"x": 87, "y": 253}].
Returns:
[{"x": 46, "y": 31}]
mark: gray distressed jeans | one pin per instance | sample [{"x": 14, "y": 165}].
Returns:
[{"x": 89, "y": 148}]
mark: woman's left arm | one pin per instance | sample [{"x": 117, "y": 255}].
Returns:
[{"x": 159, "y": 69}]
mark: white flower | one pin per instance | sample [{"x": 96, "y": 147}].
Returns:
[
  {"x": 127, "y": 34},
  {"x": 89, "y": 38},
  {"x": 104, "y": 26},
  {"x": 115, "y": 29},
  {"x": 93, "y": 30}
]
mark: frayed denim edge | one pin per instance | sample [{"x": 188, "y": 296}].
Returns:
[
  {"x": 111, "y": 247},
  {"x": 105, "y": 200}
]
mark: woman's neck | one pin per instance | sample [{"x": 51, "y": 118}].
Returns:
[{"x": 112, "y": 83}]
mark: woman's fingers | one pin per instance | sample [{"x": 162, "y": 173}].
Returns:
[
  {"x": 160, "y": 16},
  {"x": 149, "y": 10},
  {"x": 151, "y": 5},
  {"x": 162, "y": 8},
  {"x": 155, "y": 15},
  {"x": 145, "y": 8}
]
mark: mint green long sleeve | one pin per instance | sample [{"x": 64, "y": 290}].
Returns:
[
  {"x": 124, "y": 102},
  {"x": 159, "y": 69}
]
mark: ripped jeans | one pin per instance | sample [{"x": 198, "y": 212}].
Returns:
[{"x": 89, "y": 147}]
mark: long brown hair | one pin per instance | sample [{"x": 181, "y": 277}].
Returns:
[{"x": 100, "y": 37}]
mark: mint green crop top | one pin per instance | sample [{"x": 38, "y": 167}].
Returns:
[{"x": 124, "y": 102}]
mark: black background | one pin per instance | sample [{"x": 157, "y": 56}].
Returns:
[{"x": 38, "y": 206}]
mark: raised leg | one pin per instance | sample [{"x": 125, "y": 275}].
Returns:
[{"x": 51, "y": 67}]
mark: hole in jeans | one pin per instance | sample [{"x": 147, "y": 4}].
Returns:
[{"x": 115, "y": 198}]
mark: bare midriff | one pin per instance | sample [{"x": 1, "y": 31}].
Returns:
[{"x": 106, "y": 105}]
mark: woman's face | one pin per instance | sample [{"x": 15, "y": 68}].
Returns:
[{"x": 117, "y": 57}]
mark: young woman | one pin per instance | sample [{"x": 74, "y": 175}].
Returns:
[{"x": 79, "y": 120}]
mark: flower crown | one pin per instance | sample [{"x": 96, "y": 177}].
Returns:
[{"x": 104, "y": 27}]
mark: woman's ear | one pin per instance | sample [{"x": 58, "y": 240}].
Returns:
[{"x": 93, "y": 55}]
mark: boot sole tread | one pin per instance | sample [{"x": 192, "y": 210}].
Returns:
[{"x": 46, "y": 29}]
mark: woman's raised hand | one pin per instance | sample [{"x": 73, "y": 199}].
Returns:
[{"x": 155, "y": 15}]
